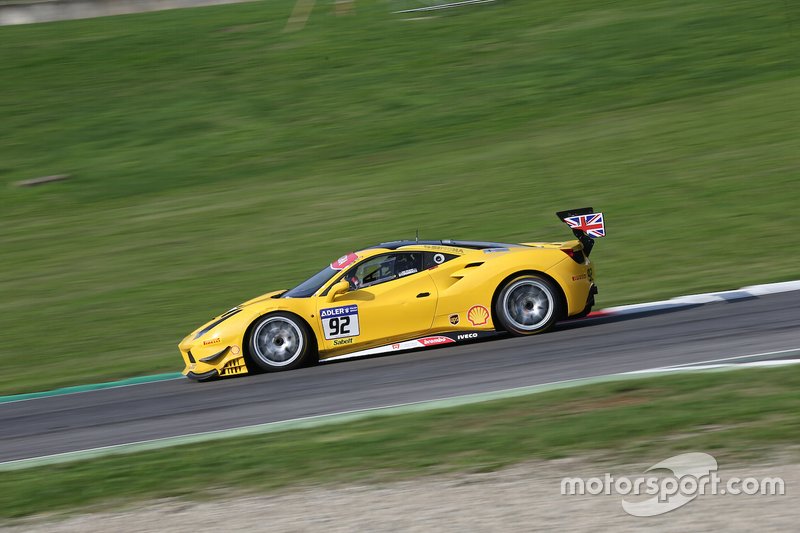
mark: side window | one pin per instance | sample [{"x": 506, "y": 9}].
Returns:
[
  {"x": 408, "y": 263},
  {"x": 434, "y": 259},
  {"x": 384, "y": 268}
]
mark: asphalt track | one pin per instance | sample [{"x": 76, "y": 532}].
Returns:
[{"x": 593, "y": 347}]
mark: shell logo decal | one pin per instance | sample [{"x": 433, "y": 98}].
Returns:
[{"x": 478, "y": 315}]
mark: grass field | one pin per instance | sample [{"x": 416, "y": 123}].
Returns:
[
  {"x": 737, "y": 416},
  {"x": 215, "y": 157}
]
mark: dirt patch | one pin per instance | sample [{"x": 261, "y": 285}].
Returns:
[{"x": 525, "y": 497}]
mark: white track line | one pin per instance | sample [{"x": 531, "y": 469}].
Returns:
[
  {"x": 444, "y": 6},
  {"x": 723, "y": 359},
  {"x": 753, "y": 364}
]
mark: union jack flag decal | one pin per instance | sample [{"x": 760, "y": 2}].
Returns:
[{"x": 592, "y": 224}]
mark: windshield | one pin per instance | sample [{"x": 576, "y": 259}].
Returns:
[{"x": 312, "y": 284}]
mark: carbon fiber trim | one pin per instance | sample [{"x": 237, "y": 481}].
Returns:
[
  {"x": 214, "y": 357},
  {"x": 205, "y": 376}
]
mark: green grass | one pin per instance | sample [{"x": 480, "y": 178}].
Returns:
[
  {"x": 215, "y": 157},
  {"x": 737, "y": 416}
]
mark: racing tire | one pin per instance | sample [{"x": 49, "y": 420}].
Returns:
[
  {"x": 280, "y": 341},
  {"x": 528, "y": 304}
]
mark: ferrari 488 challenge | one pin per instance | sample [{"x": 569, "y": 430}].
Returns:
[{"x": 404, "y": 295}]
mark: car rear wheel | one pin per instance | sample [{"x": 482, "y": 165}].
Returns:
[
  {"x": 528, "y": 304},
  {"x": 280, "y": 341}
]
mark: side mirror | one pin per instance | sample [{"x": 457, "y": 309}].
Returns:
[{"x": 340, "y": 287}]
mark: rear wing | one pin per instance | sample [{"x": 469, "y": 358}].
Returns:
[{"x": 585, "y": 224}]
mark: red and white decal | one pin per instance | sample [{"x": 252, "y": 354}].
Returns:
[
  {"x": 344, "y": 261},
  {"x": 434, "y": 341}
]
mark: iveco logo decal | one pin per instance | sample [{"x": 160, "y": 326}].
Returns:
[{"x": 466, "y": 336}]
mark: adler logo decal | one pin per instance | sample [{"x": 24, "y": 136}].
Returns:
[
  {"x": 478, "y": 315},
  {"x": 340, "y": 322}
]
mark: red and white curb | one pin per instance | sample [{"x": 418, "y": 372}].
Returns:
[{"x": 692, "y": 300}]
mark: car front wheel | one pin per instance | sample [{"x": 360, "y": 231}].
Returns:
[{"x": 280, "y": 341}]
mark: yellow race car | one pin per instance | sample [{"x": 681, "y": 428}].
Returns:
[{"x": 404, "y": 295}]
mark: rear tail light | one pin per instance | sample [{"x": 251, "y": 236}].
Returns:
[{"x": 576, "y": 255}]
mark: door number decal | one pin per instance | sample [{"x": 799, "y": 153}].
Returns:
[{"x": 338, "y": 322}]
